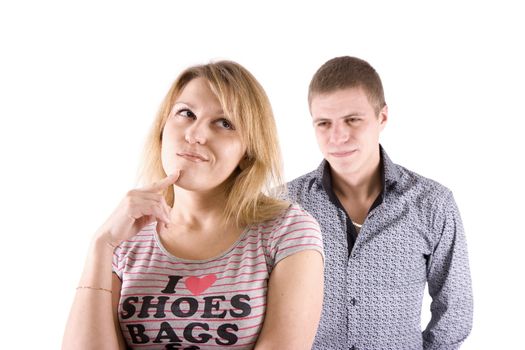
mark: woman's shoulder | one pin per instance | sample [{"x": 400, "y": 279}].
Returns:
[
  {"x": 294, "y": 230},
  {"x": 294, "y": 213},
  {"x": 292, "y": 216}
]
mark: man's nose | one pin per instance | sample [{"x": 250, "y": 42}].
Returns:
[{"x": 339, "y": 134}]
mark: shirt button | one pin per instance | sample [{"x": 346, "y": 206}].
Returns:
[
  {"x": 353, "y": 347},
  {"x": 353, "y": 301}
]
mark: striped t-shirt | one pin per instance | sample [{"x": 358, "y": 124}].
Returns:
[{"x": 172, "y": 303}]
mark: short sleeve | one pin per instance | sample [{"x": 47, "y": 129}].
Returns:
[
  {"x": 296, "y": 231},
  {"x": 116, "y": 265}
]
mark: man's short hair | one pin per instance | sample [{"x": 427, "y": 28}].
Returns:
[{"x": 348, "y": 72}]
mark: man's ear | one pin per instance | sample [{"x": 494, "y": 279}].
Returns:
[{"x": 383, "y": 117}]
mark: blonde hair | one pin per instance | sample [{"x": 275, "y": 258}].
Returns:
[{"x": 244, "y": 101}]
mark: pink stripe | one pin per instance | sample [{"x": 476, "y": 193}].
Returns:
[
  {"x": 164, "y": 282},
  {"x": 191, "y": 319},
  {"x": 317, "y": 238},
  {"x": 303, "y": 245},
  {"x": 201, "y": 311},
  {"x": 156, "y": 330},
  {"x": 182, "y": 262},
  {"x": 187, "y": 263},
  {"x": 167, "y": 274},
  {"x": 297, "y": 238},
  {"x": 201, "y": 346},
  {"x": 198, "y": 301},
  {"x": 200, "y": 275},
  {"x": 191, "y": 295},
  {"x": 295, "y": 223},
  {"x": 208, "y": 270},
  {"x": 210, "y": 330},
  {"x": 297, "y": 230},
  {"x": 289, "y": 215},
  {"x": 163, "y": 285},
  {"x": 208, "y": 262},
  {"x": 153, "y": 244}
]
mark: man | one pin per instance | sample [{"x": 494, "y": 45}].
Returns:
[{"x": 387, "y": 230}]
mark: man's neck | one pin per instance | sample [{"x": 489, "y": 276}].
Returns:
[
  {"x": 363, "y": 185},
  {"x": 358, "y": 191}
]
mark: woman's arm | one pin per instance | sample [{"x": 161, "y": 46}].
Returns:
[
  {"x": 295, "y": 298},
  {"x": 116, "y": 287},
  {"x": 92, "y": 322}
]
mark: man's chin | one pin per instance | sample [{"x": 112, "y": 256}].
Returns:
[{"x": 342, "y": 165}]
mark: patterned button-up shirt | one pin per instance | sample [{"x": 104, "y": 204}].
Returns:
[{"x": 373, "y": 296}]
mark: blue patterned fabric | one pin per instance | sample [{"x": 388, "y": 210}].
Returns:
[{"x": 373, "y": 296}]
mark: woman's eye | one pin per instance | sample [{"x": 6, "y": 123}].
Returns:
[
  {"x": 186, "y": 113},
  {"x": 226, "y": 124}
]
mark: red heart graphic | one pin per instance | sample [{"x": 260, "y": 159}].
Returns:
[{"x": 198, "y": 285}]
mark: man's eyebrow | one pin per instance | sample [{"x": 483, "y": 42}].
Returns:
[{"x": 353, "y": 114}]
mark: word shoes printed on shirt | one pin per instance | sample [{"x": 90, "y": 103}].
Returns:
[{"x": 159, "y": 307}]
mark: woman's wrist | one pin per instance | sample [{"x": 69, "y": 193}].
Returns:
[{"x": 102, "y": 240}]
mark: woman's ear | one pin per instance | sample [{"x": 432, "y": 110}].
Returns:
[{"x": 245, "y": 162}]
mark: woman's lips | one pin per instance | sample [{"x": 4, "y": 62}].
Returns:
[{"x": 192, "y": 157}]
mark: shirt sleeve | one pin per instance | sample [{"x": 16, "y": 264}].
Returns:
[
  {"x": 449, "y": 282},
  {"x": 296, "y": 232},
  {"x": 116, "y": 265}
]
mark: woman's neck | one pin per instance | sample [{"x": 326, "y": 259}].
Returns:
[
  {"x": 197, "y": 230},
  {"x": 198, "y": 211}
]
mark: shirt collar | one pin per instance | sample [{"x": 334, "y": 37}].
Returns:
[{"x": 390, "y": 174}]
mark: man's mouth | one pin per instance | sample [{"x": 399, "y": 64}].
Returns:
[{"x": 340, "y": 154}]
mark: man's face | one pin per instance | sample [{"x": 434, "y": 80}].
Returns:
[{"x": 347, "y": 130}]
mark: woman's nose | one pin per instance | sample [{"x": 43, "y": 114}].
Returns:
[{"x": 196, "y": 133}]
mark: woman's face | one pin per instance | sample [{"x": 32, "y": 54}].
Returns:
[{"x": 200, "y": 140}]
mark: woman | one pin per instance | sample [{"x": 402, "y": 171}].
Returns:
[{"x": 201, "y": 258}]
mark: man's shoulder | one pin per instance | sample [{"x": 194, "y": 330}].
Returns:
[
  {"x": 303, "y": 185},
  {"x": 304, "y": 179},
  {"x": 410, "y": 180}
]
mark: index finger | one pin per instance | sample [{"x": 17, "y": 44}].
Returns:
[{"x": 163, "y": 184}]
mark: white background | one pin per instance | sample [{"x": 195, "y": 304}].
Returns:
[{"x": 80, "y": 83}]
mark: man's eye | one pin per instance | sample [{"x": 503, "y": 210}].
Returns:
[{"x": 225, "y": 124}]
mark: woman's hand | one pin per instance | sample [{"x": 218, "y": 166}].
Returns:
[
  {"x": 139, "y": 208},
  {"x": 93, "y": 320}
]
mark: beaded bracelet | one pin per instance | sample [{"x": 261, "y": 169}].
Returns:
[{"x": 95, "y": 288}]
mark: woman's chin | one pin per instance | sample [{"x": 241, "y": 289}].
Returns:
[
  {"x": 192, "y": 181},
  {"x": 188, "y": 185}
]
